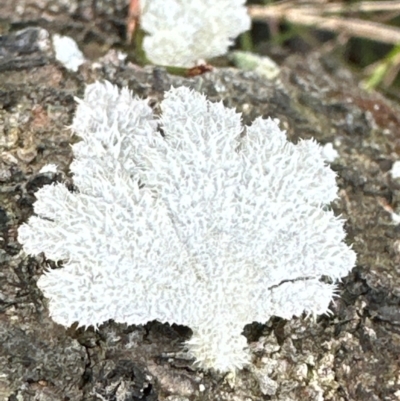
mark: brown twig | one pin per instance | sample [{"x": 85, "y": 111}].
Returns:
[
  {"x": 133, "y": 19},
  {"x": 307, "y": 14},
  {"x": 362, "y": 6}
]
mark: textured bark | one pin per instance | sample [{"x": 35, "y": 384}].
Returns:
[{"x": 351, "y": 355}]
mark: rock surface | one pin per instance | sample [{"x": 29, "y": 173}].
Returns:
[{"x": 351, "y": 355}]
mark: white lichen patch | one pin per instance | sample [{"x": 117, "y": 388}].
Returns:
[
  {"x": 189, "y": 218},
  {"x": 181, "y": 33}
]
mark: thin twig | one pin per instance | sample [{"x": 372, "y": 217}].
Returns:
[
  {"x": 133, "y": 19},
  {"x": 336, "y": 8},
  {"x": 305, "y": 16},
  {"x": 362, "y": 6}
]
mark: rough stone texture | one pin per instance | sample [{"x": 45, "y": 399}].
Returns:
[{"x": 351, "y": 355}]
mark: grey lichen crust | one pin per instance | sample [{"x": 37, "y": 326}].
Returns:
[{"x": 188, "y": 218}]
